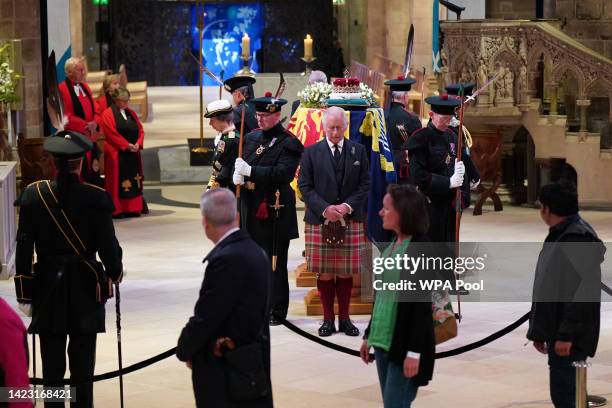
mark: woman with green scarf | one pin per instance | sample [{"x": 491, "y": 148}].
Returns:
[{"x": 401, "y": 328}]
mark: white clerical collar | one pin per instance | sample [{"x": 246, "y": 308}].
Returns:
[
  {"x": 78, "y": 90},
  {"x": 227, "y": 234},
  {"x": 331, "y": 145}
]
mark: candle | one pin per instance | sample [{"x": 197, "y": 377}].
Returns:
[
  {"x": 307, "y": 47},
  {"x": 246, "y": 45}
]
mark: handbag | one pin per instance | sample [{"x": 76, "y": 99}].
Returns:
[
  {"x": 245, "y": 374},
  {"x": 104, "y": 285},
  {"x": 445, "y": 323},
  {"x": 334, "y": 233}
]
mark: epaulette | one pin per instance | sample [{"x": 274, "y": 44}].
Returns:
[{"x": 94, "y": 186}]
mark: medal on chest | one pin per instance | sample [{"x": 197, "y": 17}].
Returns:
[
  {"x": 262, "y": 148},
  {"x": 448, "y": 159},
  {"x": 221, "y": 146}
]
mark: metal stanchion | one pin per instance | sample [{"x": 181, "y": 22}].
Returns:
[
  {"x": 594, "y": 401},
  {"x": 581, "y": 379}
]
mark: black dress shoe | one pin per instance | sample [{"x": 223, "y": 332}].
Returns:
[
  {"x": 327, "y": 328},
  {"x": 274, "y": 321},
  {"x": 348, "y": 328}
]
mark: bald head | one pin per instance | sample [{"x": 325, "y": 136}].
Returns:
[{"x": 218, "y": 207}]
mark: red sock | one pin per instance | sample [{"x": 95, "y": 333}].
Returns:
[
  {"x": 326, "y": 291},
  {"x": 343, "y": 292}
]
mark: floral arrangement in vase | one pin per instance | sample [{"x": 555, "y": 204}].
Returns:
[
  {"x": 8, "y": 77},
  {"x": 315, "y": 95}
]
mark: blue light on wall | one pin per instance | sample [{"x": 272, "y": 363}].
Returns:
[{"x": 224, "y": 26}]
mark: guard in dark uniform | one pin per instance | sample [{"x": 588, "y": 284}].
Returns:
[
  {"x": 241, "y": 88},
  {"x": 471, "y": 172},
  {"x": 67, "y": 287},
  {"x": 221, "y": 115},
  {"x": 433, "y": 167},
  {"x": 400, "y": 124},
  {"x": 270, "y": 158}
]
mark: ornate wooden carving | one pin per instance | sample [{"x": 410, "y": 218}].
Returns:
[
  {"x": 486, "y": 155},
  {"x": 36, "y": 164}
]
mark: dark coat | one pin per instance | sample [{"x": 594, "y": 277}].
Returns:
[
  {"x": 400, "y": 125},
  {"x": 567, "y": 272},
  {"x": 321, "y": 184},
  {"x": 233, "y": 303},
  {"x": 432, "y": 156},
  {"x": 250, "y": 121},
  {"x": 414, "y": 329},
  {"x": 64, "y": 297},
  {"x": 294, "y": 106},
  {"x": 272, "y": 170},
  {"x": 224, "y": 158},
  {"x": 471, "y": 173}
]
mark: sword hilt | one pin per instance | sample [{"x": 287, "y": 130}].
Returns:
[{"x": 277, "y": 205}]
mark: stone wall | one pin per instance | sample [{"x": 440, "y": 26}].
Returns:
[
  {"x": 511, "y": 9},
  {"x": 588, "y": 21},
  {"x": 20, "y": 19}
]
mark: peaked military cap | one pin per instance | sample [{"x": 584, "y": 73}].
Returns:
[
  {"x": 216, "y": 108},
  {"x": 400, "y": 84},
  {"x": 236, "y": 82},
  {"x": 268, "y": 104},
  {"x": 67, "y": 145},
  {"x": 468, "y": 88},
  {"x": 443, "y": 105}
]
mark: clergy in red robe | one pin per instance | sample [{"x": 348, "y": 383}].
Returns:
[
  {"x": 122, "y": 159},
  {"x": 80, "y": 109}
]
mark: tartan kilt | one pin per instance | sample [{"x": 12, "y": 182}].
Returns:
[{"x": 343, "y": 260}]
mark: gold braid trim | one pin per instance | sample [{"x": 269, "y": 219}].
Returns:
[{"x": 468, "y": 137}]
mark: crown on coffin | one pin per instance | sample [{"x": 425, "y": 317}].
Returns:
[{"x": 346, "y": 85}]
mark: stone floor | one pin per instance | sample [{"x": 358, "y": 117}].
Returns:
[{"x": 163, "y": 252}]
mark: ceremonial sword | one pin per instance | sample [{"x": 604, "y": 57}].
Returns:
[{"x": 276, "y": 207}]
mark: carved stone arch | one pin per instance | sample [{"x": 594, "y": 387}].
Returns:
[
  {"x": 595, "y": 88},
  {"x": 507, "y": 58},
  {"x": 464, "y": 59},
  {"x": 562, "y": 69},
  {"x": 534, "y": 54}
]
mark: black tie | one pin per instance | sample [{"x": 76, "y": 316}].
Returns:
[{"x": 336, "y": 154}]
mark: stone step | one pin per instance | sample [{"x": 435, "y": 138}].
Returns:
[{"x": 174, "y": 167}]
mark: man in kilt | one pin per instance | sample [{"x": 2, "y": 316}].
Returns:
[{"x": 334, "y": 181}]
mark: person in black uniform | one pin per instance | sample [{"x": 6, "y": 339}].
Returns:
[
  {"x": 232, "y": 307},
  {"x": 471, "y": 172},
  {"x": 241, "y": 88},
  {"x": 400, "y": 124},
  {"x": 67, "y": 287},
  {"x": 221, "y": 115},
  {"x": 434, "y": 168},
  {"x": 271, "y": 157}
]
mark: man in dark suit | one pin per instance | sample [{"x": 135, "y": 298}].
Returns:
[
  {"x": 232, "y": 307},
  {"x": 334, "y": 181},
  {"x": 271, "y": 157},
  {"x": 400, "y": 124}
]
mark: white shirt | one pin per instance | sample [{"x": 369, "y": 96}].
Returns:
[
  {"x": 123, "y": 113},
  {"x": 331, "y": 145},
  {"x": 227, "y": 234},
  {"x": 78, "y": 89}
]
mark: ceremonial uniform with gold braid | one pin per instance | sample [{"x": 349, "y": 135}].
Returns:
[{"x": 223, "y": 160}]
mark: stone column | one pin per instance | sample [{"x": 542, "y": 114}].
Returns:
[
  {"x": 552, "y": 93},
  {"x": 583, "y": 104}
]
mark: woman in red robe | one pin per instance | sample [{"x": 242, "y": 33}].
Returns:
[
  {"x": 109, "y": 85},
  {"x": 122, "y": 160}
]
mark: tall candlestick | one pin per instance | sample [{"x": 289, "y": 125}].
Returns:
[
  {"x": 246, "y": 46},
  {"x": 308, "y": 47}
]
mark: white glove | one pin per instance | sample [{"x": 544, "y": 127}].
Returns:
[
  {"x": 456, "y": 179},
  {"x": 474, "y": 184},
  {"x": 237, "y": 178},
  {"x": 217, "y": 138},
  {"x": 242, "y": 167},
  {"x": 25, "y": 308}
]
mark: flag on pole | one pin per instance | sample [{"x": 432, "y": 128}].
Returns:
[{"x": 435, "y": 40}]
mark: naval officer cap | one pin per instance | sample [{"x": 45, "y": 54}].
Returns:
[
  {"x": 67, "y": 145},
  {"x": 268, "y": 104},
  {"x": 400, "y": 84},
  {"x": 216, "y": 108},
  {"x": 443, "y": 105},
  {"x": 237, "y": 82},
  {"x": 454, "y": 89}
]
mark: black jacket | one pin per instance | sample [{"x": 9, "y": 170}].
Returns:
[
  {"x": 567, "y": 287},
  {"x": 233, "y": 303},
  {"x": 414, "y": 329},
  {"x": 64, "y": 297},
  {"x": 224, "y": 158},
  {"x": 400, "y": 125},
  {"x": 319, "y": 180},
  {"x": 272, "y": 169},
  {"x": 432, "y": 156}
]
